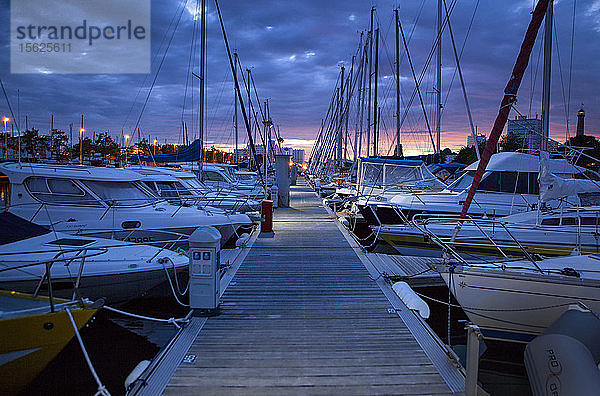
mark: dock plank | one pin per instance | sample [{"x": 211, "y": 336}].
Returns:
[{"x": 302, "y": 315}]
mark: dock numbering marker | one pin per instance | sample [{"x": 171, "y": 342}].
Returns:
[
  {"x": 74, "y": 36},
  {"x": 189, "y": 359}
]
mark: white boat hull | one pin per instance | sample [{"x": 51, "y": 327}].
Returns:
[{"x": 516, "y": 308}]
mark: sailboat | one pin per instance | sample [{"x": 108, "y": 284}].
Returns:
[{"x": 516, "y": 300}]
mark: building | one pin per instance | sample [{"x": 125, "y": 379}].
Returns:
[
  {"x": 245, "y": 153},
  {"x": 528, "y": 130},
  {"x": 297, "y": 155},
  {"x": 481, "y": 139}
]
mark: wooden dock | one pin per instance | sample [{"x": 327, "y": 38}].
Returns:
[{"x": 303, "y": 314}]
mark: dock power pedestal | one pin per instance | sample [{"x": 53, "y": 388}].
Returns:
[{"x": 204, "y": 253}]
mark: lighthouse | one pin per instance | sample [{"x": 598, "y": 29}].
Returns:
[{"x": 580, "y": 122}]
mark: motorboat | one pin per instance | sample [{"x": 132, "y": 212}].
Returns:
[
  {"x": 247, "y": 177},
  {"x": 108, "y": 203},
  {"x": 221, "y": 179},
  {"x": 517, "y": 300},
  {"x": 34, "y": 258},
  {"x": 181, "y": 187},
  {"x": 541, "y": 233},
  {"x": 509, "y": 185},
  {"x": 34, "y": 330}
]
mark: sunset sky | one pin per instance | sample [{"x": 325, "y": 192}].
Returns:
[{"x": 295, "y": 49}]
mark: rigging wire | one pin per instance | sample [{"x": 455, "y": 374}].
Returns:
[
  {"x": 570, "y": 68},
  {"x": 181, "y": 4}
]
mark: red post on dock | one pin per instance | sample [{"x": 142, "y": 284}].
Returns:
[{"x": 266, "y": 224}]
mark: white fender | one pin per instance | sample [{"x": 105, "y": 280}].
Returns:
[
  {"x": 136, "y": 372},
  {"x": 411, "y": 299}
]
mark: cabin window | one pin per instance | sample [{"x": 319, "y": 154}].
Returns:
[
  {"x": 510, "y": 182},
  {"x": 589, "y": 199},
  {"x": 58, "y": 191},
  {"x": 150, "y": 185},
  {"x": 551, "y": 221},
  {"x": 589, "y": 221},
  {"x": 181, "y": 189},
  {"x": 213, "y": 176},
  {"x": 120, "y": 193},
  {"x": 166, "y": 190},
  {"x": 569, "y": 221}
]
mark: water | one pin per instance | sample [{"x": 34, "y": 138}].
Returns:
[
  {"x": 116, "y": 344},
  {"x": 501, "y": 368}
]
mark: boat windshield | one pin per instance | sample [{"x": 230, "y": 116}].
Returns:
[
  {"x": 120, "y": 193},
  {"x": 193, "y": 183},
  {"x": 210, "y": 175},
  {"x": 463, "y": 182}
]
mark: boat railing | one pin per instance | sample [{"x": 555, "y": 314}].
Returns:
[
  {"x": 78, "y": 254},
  {"x": 423, "y": 223}
]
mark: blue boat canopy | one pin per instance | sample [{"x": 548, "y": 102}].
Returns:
[{"x": 391, "y": 161}]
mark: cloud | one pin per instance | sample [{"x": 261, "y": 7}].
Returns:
[{"x": 293, "y": 50}]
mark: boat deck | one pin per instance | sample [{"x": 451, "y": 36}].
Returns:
[{"x": 303, "y": 313}]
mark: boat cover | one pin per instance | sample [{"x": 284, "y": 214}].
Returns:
[{"x": 16, "y": 229}]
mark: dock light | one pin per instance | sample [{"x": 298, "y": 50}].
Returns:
[
  {"x": 81, "y": 130},
  {"x": 154, "y": 147},
  {"x": 126, "y": 139},
  {"x": 5, "y": 119}
]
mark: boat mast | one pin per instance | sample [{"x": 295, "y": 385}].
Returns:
[
  {"x": 239, "y": 94},
  {"x": 375, "y": 112},
  {"x": 235, "y": 108},
  {"x": 398, "y": 151},
  {"x": 340, "y": 122},
  {"x": 202, "y": 92},
  {"x": 462, "y": 82},
  {"x": 360, "y": 104},
  {"x": 370, "y": 38},
  {"x": 547, "y": 75},
  {"x": 249, "y": 116},
  {"x": 438, "y": 107},
  {"x": 348, "y": 97}
]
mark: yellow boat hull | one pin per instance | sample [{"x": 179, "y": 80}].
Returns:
[{"x": 29, "y": 343}]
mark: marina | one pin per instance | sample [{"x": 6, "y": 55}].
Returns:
[{"x": 300, "y": 198}]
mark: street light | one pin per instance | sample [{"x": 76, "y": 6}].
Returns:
[
  {"x": 5, "y": 119},
  {"x": 81, "y": 130},
  {"x": 126, "y": 139},
  {"x": 154, "y": 147}
]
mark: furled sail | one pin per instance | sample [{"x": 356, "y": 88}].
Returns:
[
  {"x": 510, "y": 96},
  {"x": 555, "y": 187}
]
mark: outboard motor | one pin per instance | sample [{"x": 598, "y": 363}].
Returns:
[{"x": 563, "y": 360}]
